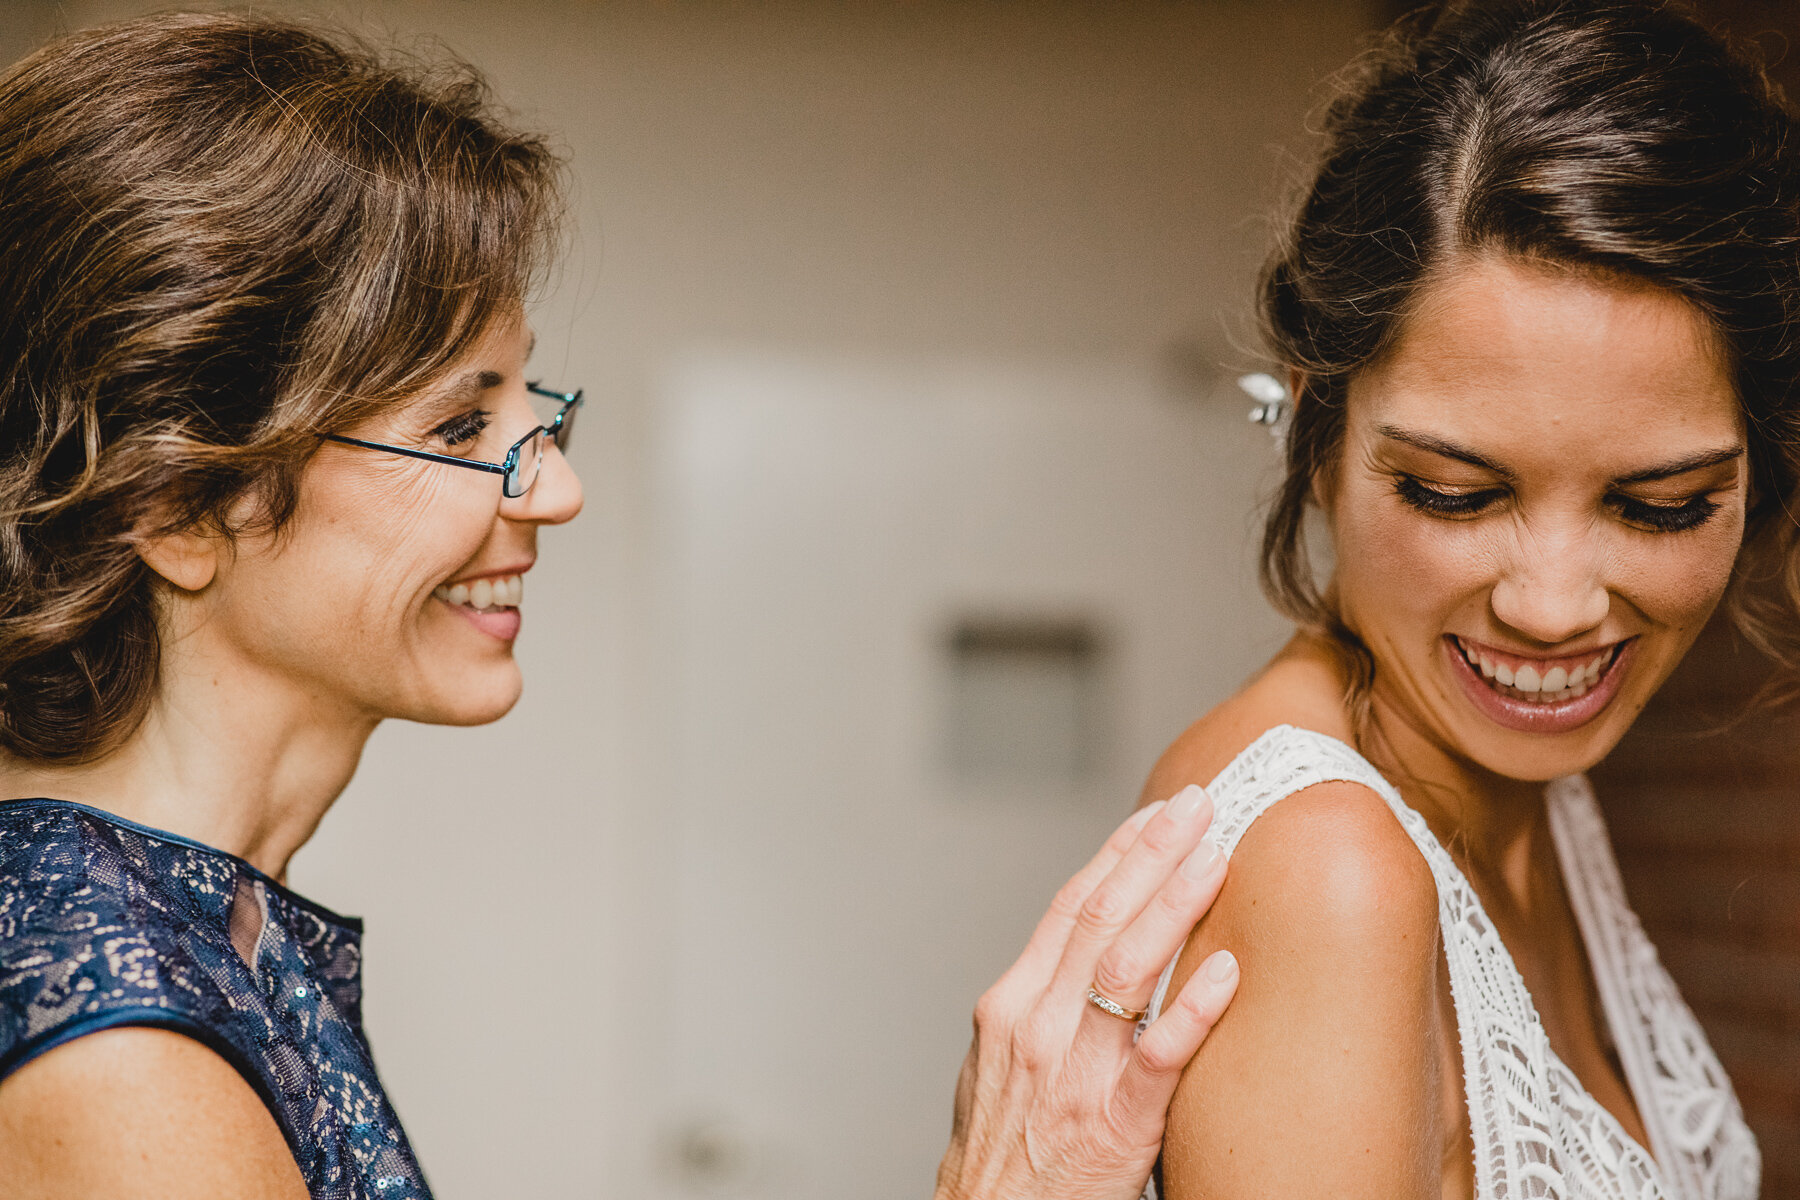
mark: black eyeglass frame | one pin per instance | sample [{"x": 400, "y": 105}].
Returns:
[{"x": 558, "y": 431}]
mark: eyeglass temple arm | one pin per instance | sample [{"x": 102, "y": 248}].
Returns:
[
  {"x": 566, "y": 397},
  {"x": 493, "y": 468}
]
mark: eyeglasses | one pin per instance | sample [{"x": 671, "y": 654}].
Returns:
[{"x": 519, "y": 470}]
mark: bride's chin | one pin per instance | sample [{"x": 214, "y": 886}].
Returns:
[{"x": 1536, "y": 757}]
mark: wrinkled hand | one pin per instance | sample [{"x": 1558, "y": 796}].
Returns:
[{"x": 1055, "y": 1101}]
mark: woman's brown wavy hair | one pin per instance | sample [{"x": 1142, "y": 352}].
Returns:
[
  {"x": 219, "y": 237},
  {"x": 1621, "y": 138}
]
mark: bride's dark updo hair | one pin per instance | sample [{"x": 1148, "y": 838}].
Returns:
[
  {"x": 220, "y": 236},
  {"x": 1618, "y": 138}
]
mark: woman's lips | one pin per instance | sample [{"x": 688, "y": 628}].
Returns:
[
  {"x": 1539, "y": 716},
  {"x": 490, "y": 603},
  {"x": 502, "y": 623}
]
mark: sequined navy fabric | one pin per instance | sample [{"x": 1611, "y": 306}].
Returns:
[{"x": 104, "y": 923}]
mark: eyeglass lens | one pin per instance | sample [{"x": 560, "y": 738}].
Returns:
[
  {"x": 530, "y": 458},
  {"x": 525, "y": 468}
]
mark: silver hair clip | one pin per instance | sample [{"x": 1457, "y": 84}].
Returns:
[{"x": 1273, "y": 405}]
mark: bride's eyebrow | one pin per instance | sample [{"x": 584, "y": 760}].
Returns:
[
  {"x": 1681, "y": 466},
  {"x": 1433, "y": 444}
]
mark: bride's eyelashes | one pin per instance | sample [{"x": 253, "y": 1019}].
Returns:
[
  {"x": 1440, "y": 503},
  {"x": 1664, "y": 516},
  {"x": 1661, "y": 516}
]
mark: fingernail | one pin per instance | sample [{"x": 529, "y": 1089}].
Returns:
[
  {"x": 1221, "y": 966},
  {"x": 1187, "y": 802},
  {"x": 1203, "y": 861},
  {"x": 1142, "y": 816}
]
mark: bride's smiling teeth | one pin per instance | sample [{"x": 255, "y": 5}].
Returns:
[
  {"x": 484, "y": 595},
  {"x": 1542, "y": 680}
]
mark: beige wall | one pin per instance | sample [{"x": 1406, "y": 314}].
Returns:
[
  {"x": 23, "y": 25},
  {"x": 1044, "y": 179}
]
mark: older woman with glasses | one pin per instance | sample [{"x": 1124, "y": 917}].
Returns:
[{"x": 258, "y": 291}]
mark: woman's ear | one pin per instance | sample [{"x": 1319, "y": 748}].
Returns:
[{"x": 189, "y": 560}]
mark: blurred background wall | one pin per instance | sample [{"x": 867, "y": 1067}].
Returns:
[{"x": 918, "y": 521}]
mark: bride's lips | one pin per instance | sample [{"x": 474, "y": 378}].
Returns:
[{"x": 1538, "y": 716}]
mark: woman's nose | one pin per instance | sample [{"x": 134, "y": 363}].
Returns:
[
  {"x": 554, "y": 498},
  {"x": 1553, "y": 596}
]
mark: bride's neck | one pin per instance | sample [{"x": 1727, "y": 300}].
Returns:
[{"x": 1494, "y": 825}]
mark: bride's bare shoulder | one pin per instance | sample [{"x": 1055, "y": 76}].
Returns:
[
  {"x": 1303, "y": 686},
  {"x": 1330, "y": 1051},
  {"x": 1332, "y": 858}
]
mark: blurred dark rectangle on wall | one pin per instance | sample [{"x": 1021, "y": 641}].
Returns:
[{"x": 1026, "y": 699}]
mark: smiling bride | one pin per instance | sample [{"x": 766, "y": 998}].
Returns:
[{"x": 1536, "y": 316}]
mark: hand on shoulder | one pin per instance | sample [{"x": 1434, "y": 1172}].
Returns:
[
  {"x": 1057, "y": 1099},
  {"x": 139, "y": 1114}
]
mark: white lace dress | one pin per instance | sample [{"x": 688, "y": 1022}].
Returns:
[{"x": 1537, "y": 1131}]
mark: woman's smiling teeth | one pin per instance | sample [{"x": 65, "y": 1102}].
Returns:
[
  {"x": 484, "y": 595},
  {"x": 1542, "y": 681}
]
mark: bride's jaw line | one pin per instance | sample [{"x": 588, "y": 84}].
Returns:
[{"x": 1507, "y": 706}]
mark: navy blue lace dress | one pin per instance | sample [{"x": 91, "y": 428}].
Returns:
[{"x": 104, "y": 923}]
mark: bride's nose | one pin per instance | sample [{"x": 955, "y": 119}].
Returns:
[{"x": 1553, "y": 591}]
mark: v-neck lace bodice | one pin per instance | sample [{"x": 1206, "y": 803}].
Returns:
[{"x": 1538, "y": 1133}]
